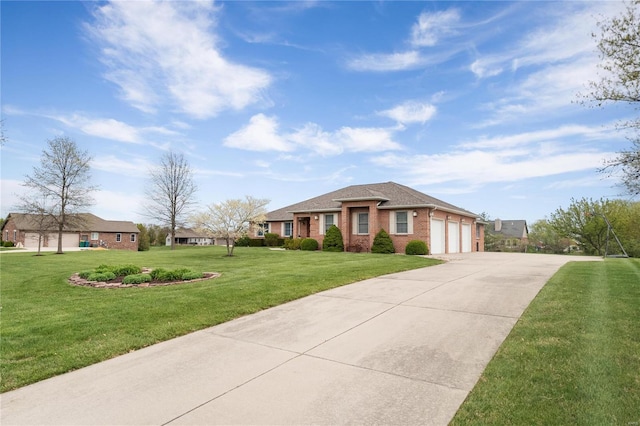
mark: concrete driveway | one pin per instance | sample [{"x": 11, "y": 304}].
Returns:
[{"x": 403, "y": 349}]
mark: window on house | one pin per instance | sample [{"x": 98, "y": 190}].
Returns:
[
  {"x": 133, "y": 238},
  {"x": 263, "y": 228},
  {"x": 288, "y": 229},
  {"x": 329, "y": 220},
  {"x": 15, "y": 235},
  {"x": 6, "y": 235},
  {"x": 118, "y": 238},
  {"x": 94, "y": 236},
  {"x": 402, "y": 223},
  {"x": 363, "y": 223},
  {"x": 477, "y": 230}
]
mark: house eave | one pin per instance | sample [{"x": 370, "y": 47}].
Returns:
[
  {"x": 342, "y": 200},
  {"x": 431, "y": 206},
  {"x": 315, "y": 211}
]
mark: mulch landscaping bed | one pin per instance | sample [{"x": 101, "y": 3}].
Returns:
[{"x": 117, "y": 282}]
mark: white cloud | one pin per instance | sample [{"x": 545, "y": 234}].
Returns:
[
  {"x": 432, "y": 26},
  {"x": 311, "y": 136},
  {"x": 9, "y": 191},
  {"x": 386, "y": 61},
  {"x": 539, "y": 136},
  {"x": 484, "y": 68},
  {"x": 410, "y": 112},
  {"x": 109, "y": 128},
  {"x": 133, "y": 167},
  {"x": 366, "y": 139},
  {"x": 261, "y": 134},
  {"x": 476, "y": 168},
  {"x": 161, "y": 53}
]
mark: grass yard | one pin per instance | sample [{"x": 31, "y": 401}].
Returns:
[
  {"x": 572, "y": 358},
  {"x": 50, "y": 327}
]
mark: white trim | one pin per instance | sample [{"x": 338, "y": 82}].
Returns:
[{"x": 393, "y": 223}]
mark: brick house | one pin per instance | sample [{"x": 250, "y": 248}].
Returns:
[
  {"x": 23, "y": 229},
  {"x": 188, "y": 236},
  {"x": 360, "y": 211}
]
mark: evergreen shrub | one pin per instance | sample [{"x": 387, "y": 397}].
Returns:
[
  {"x": 256, "y": 242},
  {"x": 333, "y": 240},
  {"x": 382, "y": 243},
  {"x": 243, "y": 241},
  {"x": 309, "y": 244},
  {"x": 271, "y": 239},
  {"x": 416, "y": 247},
  {"x": 293, "y": 243}
]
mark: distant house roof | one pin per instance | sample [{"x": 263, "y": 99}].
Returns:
[
  {"x": 390, "y": 195},
  {"x": 189, "y": 233},
  {"x": 80, "y": 222},
  {"x": 509, "y": 228}
]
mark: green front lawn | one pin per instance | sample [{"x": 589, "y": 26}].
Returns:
[
  {"x": 49, "y": 327},
  {"x": 572, "y": 358}
]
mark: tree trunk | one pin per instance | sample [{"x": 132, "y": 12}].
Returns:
[{"x": 59, "y": 239}]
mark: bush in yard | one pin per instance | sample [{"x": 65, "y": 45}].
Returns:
[
  {"x": 415, "y": 247},
  {"x": 7, "y": 244},
  {"x": 136, "y": 279},
  {"x": 256, "y": 242},
  {"x": 161, "y": 274},
  {"x": 104, "y": 268},
  {"x": 333, "y": 240},
  {"x": 243, "y": 241},
  {"x": 293, "y": 243},
  {"x": 85, "y": 274},
  {"x": 157, "y": 273},
  {"x": 309, "y": 244},
  {"x": 124, "y": 270},
  {"x": 382, "y": 243},
  {"x": 271, "y": 239},
  {"x": 101, "y": 276},
  {"x": 191, "y": 275}
]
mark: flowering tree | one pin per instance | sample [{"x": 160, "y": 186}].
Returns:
[{"x": 231, "y": 219}]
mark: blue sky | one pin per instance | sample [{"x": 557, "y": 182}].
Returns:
[{"x": 474, "y": 103}]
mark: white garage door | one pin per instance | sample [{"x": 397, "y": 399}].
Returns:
[
  {"x": 68, "y": 240},
  {"x": 31, "y": 240},
  {"x": 466, "y": 238},
  {"x": 437, "y": 236},
  {"x": 454, "y": 237}
]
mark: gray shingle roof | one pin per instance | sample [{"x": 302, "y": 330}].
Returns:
[
  {"x": 81, "y": 222},
  {"x": 510, "y": 228},
  {"x": 389, "y": 194}
]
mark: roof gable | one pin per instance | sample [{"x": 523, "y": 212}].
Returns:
[{"x": 390, "y": 195}]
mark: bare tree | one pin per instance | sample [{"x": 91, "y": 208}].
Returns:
[
  {"x": 619, "y": 46},
  {"x": 39, "y": 212},
  {"x": 171, "y": 191},
  {"x": 63, "y": 178},
  {"x": 231, "y": 219}
]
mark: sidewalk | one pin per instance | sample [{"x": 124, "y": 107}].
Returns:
[{"x": 404, "y": 348}]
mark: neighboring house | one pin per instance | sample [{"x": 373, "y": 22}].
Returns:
[
  {"x": 510, "y": 235},
  {"x": 84, "y": 229},
  {"x": 360, "y": 211},
  {"x": 190, "y": 237}
]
